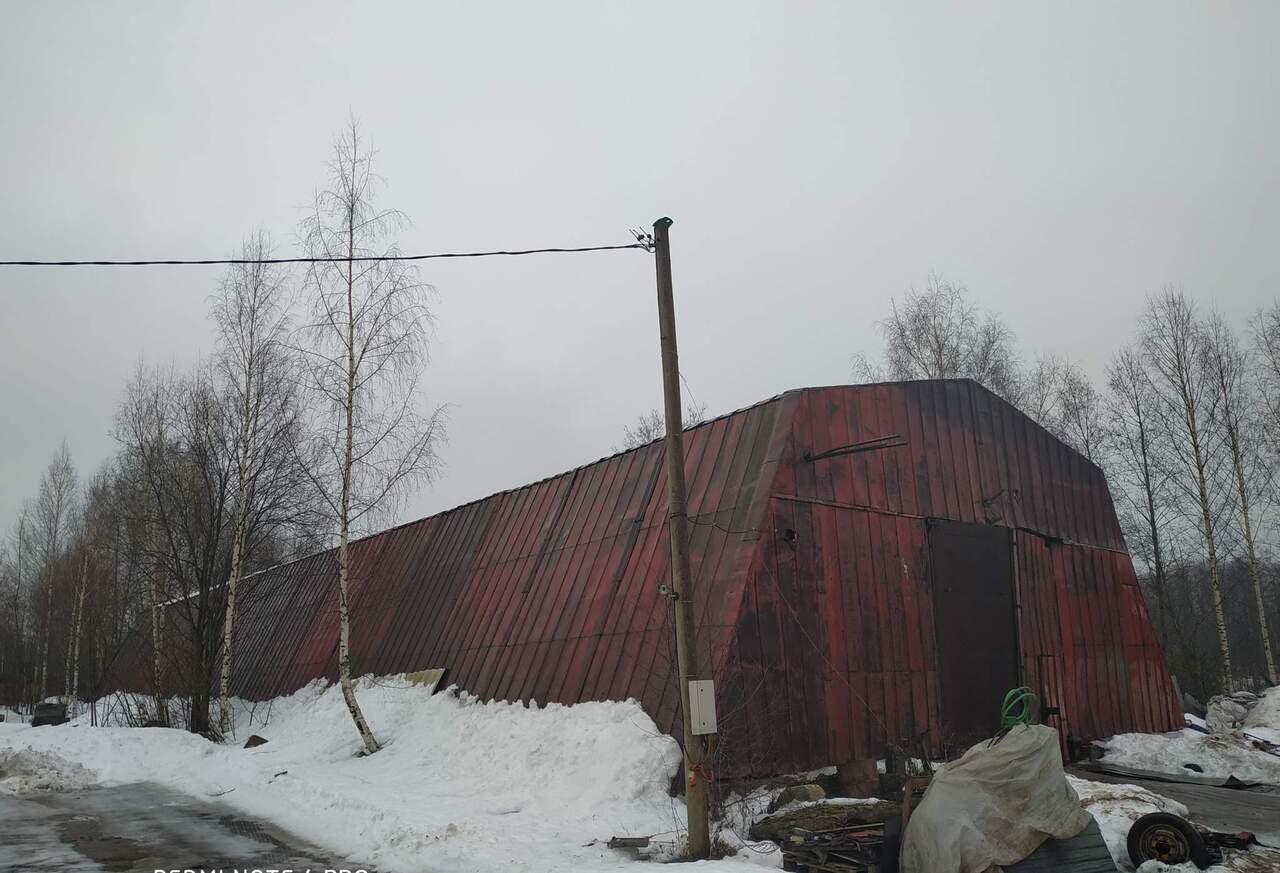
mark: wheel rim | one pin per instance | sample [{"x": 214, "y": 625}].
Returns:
[{"x": 1165, "y": 844}]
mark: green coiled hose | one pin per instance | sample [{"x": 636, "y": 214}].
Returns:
[{"x": 1020, "y": 707}]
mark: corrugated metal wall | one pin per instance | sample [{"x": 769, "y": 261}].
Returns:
[
  {"x": 835, "y": 652},
  {"x": 1087, "y": 640},
  {"x": 814, "y": 592},
  {"x": 547, "y": 592}
]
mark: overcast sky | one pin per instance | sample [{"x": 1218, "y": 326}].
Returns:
[{"x": 1061, "y": 161}]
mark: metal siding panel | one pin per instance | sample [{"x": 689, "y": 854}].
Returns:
[
  {"x": 553, "y": 604},
  {"x": 265, "y": 665},
  {"x": 830, "y": 429},
  {"x": 880, "y": 612},
  {"x": 649, "y": 616},
  {"x": 1021, "y": 454},
  {"x": 759, "y": 477},
  {"x": 993, "y": 481},
  {"x": 707, "y": 545},
  {"x": 581, "y": 655},
  {"x": 775, "y": 662},
  {"x": 968, "y": 491},
  {"x": 1059, "y": 491},
  {"x": 921, "y": 447},
  {"x": 836, "y": 671},
  {"x": 513, "y": 668},
  {"x": 871, "y": 462},
  {"x": 903, "y": 461},
  {"x": 888, "y": 457},
  {"x": 718, "y": 574},
  {"x": 308, "y": 658},
  {"x": 650, "y": 650},
  {"x": 634, "y": 584},
  {"x": 382, "y": 582},
  {"x": 453, "y": 618},
  {"x": 941, "y": 478},
  {"x": 910, "y": 545},
  {"x": 854, "y": 642},
  {"x": 499, "y": 566},
  {"x": 577, "y": 634},
  {"x": 806, "y": 608},
  {"x": 446, "y": 568},
  {"x": 504, "y": 633}
]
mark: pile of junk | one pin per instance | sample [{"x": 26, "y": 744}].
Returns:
[{"x": 1005, "y": 804}]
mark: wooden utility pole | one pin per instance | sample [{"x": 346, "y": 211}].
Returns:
[{"x": 697, "y": 774}]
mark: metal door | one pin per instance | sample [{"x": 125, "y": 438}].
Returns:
[{"x": 974, "y": 614}]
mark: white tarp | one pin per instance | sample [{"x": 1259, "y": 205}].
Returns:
[{"x": 994, "y": 806}]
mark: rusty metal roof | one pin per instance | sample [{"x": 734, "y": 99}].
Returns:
[{"x": 545, "y": 592}]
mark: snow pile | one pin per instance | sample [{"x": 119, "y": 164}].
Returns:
[
  {"x": 1263, "y": 721},
  {"x": 1217, "y": 755},
  {"x": 1227, "y": 712},
  {"x": 1117, "y": 807},
  {"x": 460, "y": 785},
  {"x": 25, "y": 771}
]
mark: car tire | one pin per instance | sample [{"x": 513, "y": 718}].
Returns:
[{"x": 1168, "y": 838}]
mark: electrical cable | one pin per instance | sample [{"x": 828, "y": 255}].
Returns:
[{"x": 336, "y": 260}]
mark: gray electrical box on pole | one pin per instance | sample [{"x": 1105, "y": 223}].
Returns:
[{"x": 702, "y": 706}]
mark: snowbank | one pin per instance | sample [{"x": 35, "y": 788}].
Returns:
[
  {"x": 459, "y": 786},
  {"x": 1218, "y": 755},
  {"x": 26, "y": 771},
  {"x": 1263, "y": 721},
  {"x": 1117, "y": 807}
]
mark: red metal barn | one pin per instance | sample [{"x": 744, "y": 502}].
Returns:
[{"x": 844, "y": 598}]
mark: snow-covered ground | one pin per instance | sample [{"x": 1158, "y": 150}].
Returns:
[
  {"x": 1216, "y": 754},
  {"x": 12, "y": 715},
  {"x": 1219, "y": 755},
  {"x": 467, "y": 786},
  {"x": 1263, "y": 721},
  {"x": 1117, "y": 807},
  {"x": 460, "y": 785}
]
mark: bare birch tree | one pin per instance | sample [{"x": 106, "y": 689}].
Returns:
[
  {"x": 22, "y": 599},
  {"x": 1174, "y": 349},
  {"x": 1079, "y": 419},
  {"x": 53, "y": 510},
  {"x": 367, "y": 343},
  {"x": 1230, "y": 366},
  {"x": 1040, "y": 389},
  {"x": 1265, "y": 329},
  {"x": 253, "y": 359},
  {"x": 651, "y": 426},
  {"x": 938, "y": 333},
  {"x": 1141, "y": 466},
  {"x": 80, "y": 587}
]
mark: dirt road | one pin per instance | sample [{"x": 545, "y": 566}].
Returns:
[{"x": 142, "y": 827}]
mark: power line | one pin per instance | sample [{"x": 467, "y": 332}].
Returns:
[{"x": 231, "y": 261}]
